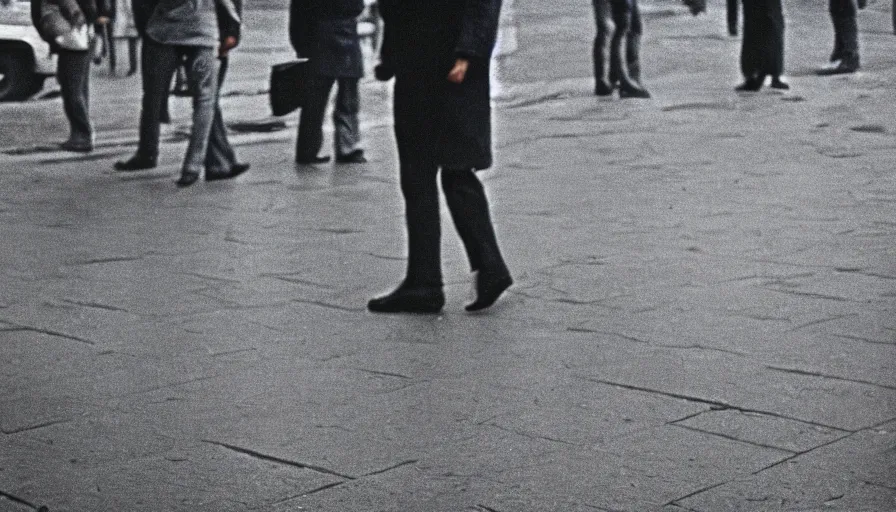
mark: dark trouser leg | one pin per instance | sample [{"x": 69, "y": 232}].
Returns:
[
  {"x": 752, "y": 42},
  {"x": 773, "y": 60},
  {"x": 220, "y": 156},
  {"x": 113, "y": 43},
  {"x": 633, "y": 44},
  {"x": 602, "y": 20},
  {"x": 311, "y": 118},
  {"x": 73, "y": 74},
  {"x": 415, "y": 128},
  {"x": 733, "y": 6},
  {"x": 469, "y": 209},
  {"x": 202, "y": 76},
  {"x": 846, "y": 31},
  {"x": 345, "y": 116},
  {"x": 132, "y": 54},
  {"x": 159, "y": 63},
  {"x": 622, "y": 16}
]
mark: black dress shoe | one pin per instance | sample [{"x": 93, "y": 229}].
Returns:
[
  {"x": 777, "y": 83},
  {"x": 489, "y": 286},
  {"x": 633, "y": 91},
  {"x": 312, "y": 159},
  {"x": 354, "y": 157},
  {"x": 838, "y": 67},
  {"x": 234, "y": 171},
  {"x": 602, "y": 88},
  {"x": 136, "y": 163},
  {"x": 409, "y": 299},
  {"x": 751, "y": 84},
  {"x": 187, "y": 178},
  {"x": 76, "y": 147}
]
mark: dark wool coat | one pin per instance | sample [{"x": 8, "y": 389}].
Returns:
[
  {"x": 421, "y": 42},
  {"x": 762, "y": 48},
  {"x": 326, "y": 32}
]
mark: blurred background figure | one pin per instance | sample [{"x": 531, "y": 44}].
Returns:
[
  {"x": 123, "y": 33},
  {"x": 63, "y": 24},
  {"x": 618, "y": 22},
  {"x": 845, "y": 57},
  {"x": 762, "y": 47},
  {"x": 326, "y": 32}
]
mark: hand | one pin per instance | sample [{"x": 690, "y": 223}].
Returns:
[
  {"x": 229, "y": 43},
  {"x": 383, "y": 72},
  {"x": 459, "y": 71},
  {"x": 103, "y": 20}
]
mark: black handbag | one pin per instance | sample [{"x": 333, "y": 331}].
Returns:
[{"x": 289, "y": 84}]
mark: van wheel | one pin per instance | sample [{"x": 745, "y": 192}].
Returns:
[{"x": 17, "y": 81}]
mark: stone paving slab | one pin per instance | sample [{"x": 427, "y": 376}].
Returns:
[{"x": 703, "y": 314}]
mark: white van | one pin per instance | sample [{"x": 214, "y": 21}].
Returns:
[{"x": 25, "y": 58}]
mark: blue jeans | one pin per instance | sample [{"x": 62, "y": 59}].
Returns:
[{"x": 159, "y": 62}]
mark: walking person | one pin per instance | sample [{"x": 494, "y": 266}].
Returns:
[
  {"x": 57, "y": 22},
  {"x": 762, "y": 47},
  {"x": 845, "y": 57},
  {"x": 618, "y": 22},
  {"x": 174, "y": 30},
  {"x": 439, "y": 53},
  {"x": 123, "y": 33},
  {"x": 326, "y": 32}
]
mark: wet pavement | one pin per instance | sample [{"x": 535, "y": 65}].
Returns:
[{"x": 703, "y": 315}]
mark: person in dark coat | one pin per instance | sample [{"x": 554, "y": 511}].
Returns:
[
  {"x": 439, "y": 53},
  {"x": 73, "y": 66},
  {"x": 845, "y": 57},
  {"x": 619, "y": 24},
  {"x": 762, "y": 48},
  {"x": 326, "y": 32}
]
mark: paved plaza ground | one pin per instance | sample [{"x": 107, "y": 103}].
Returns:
[{"x": 704, "y": 314}]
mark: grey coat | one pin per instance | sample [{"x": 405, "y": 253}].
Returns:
[{"x": 326, "y": 32}]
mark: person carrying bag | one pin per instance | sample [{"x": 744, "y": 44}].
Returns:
[{"x": 65, "y": 25}]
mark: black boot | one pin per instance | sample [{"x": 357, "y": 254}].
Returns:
[
  {"x": 751, "y": 84},
  {"x": 409, "y": 298}
]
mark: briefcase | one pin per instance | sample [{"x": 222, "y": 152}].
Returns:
[{"x": 289, "y": 85}]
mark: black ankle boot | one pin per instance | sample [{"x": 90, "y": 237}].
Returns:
[
  {"x": 751, "y": 84},
  {"x": 489, "y": 286},
  {"x": 409, "y": 299},
  {"x": 137, "y": 162}
]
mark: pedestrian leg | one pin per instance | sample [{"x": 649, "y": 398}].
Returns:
[
  {"x": 732, "y": 7},
  {"x": 622, "y": 15},
  {"x": 603, "y": 23},
  {"x": 202, "y": 77},
  {"x": 74, "y": 83},
  {"x": 469, "y": 209},
  {"x": 311, "y": 120},
  {"x": 220, "y": 157},
  {"x": 345, "y": 119}
]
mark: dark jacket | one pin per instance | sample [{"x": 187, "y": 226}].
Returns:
[
  {"x": 92, "y": 9},
  {"x": 435, "y": 32},
  {"x": 326, "y": 32},
  {"x": 421, "y": 42}
]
